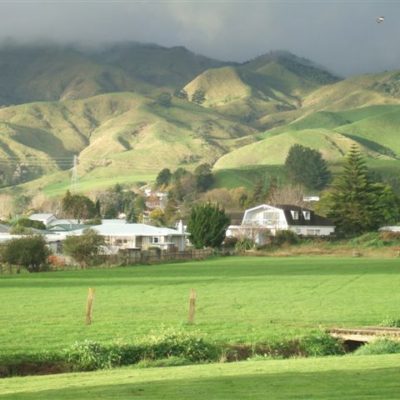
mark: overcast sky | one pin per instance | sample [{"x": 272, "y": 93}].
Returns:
[{"x": 341, "y": 35}]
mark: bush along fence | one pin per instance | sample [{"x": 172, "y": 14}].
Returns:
[{"x": 123, "y": 258}]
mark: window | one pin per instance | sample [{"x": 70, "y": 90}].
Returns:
[
  {"x": 155, "y": 239},
  {"x": 295, "y": 214},
  {"x": 307, "y": 215},
  {"x": 270, "y": 218}
]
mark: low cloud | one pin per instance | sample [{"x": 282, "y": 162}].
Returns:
[{"x": 343, "y": 36}]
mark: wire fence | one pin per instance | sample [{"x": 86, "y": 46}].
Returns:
[{"x": 123, "y": 258}]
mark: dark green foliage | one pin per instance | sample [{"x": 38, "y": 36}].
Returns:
[
  {"x": 90, "y": 355},
  {"x": 391, "y": 322},
  {"x": 204, "y": 177},
  {"x": 306, "y": 166},
  {"x": 284, "y": 237},
  {"x": 198, "y": 97},
  {"x": 30, "y": 252},
  {"x": 181, "y": 94},
  {"x": 117, "y": 200},
  {"x": 321, "y": 344},
  {"x": 179, "y": 173},
  {"x": 83, "y": 248},
  {"x": 131, "y": 216},
  {"x": 259, "y": 192},
  {"x": 382, "y": 346},
  {"x": 78, "y": 206},
  {"x": 164, "y": 99},
  {"x": 207, "y": 225},
  {"x": 244, "y": 244},
  {"x": 163, "y": 177},
  {"x": 28, "y": 223},
  {"x": 356, "y": 204}
]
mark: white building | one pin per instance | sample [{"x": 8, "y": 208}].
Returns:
[
  {"x": 258, "y": 222},
  {"x": 122, "y": 235},
  {"x": 46, "y": 218}
]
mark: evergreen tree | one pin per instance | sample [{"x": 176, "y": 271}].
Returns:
[
  {"x": 181, "y": 94},
  {"x": 204, "y": 177},
  {"x": 163, "y": 177},
  {"x": 207, "y": 225},
  {"x": 199, "y": 97},
  {"x": 355, "y": 203},
  {"x": 306, "y": 166},
  {"x": 259, "y": 192}
]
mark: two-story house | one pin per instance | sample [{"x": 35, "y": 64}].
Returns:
[{"x": 263, "y": 220}]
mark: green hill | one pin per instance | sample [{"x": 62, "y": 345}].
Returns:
[
  {"x": 55, "y": 72},
  {"x": 115, "y": 135},
  {"x": 103, "y": 105}
]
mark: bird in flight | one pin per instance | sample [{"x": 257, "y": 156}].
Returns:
[{"x": 380, "y": 19}]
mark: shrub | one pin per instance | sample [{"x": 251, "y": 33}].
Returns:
[
  {"x": 84, "y": 248},
  {"x": 285, "y": 237},
  {"x": 383, "y": 346},
  {"x": 321, "y": 344},
  {"x": 391, "y": 322},
  {"x": 244, "y": 244},
  {"x": 171, "y": 343},
  {"x": 30, "y": 252},
  {"x": 168, "y": 347},
  {"x": 89, "y": 356}
]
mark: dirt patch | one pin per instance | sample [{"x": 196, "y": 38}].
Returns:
[{"x": 32, "y": 368}]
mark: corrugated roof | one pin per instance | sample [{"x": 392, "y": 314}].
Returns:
[{"x": 124, "y": 229}]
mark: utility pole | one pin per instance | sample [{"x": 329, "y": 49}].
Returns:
[{"x": 74, "y": 176}]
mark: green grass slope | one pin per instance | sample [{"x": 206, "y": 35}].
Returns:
[
  {"x": 117, "y": 136},
  {"x": 372, "y": 377},
  {"x": 273, "y": 150},
  {"x": 240, "y": 299}
]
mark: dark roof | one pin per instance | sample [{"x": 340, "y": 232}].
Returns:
[
  {"x": 236, "y": 217},
  {"x": 315, "y": 219}
]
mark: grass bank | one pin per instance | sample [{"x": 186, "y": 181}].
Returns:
[{"x": 372, "y": 377}]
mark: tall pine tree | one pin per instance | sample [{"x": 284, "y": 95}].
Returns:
[{"x": 355, "y": 203}]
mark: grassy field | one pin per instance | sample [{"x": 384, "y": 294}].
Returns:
[
  {"x": 240, "y": 299},
  {"x": 368, "y": 377}
]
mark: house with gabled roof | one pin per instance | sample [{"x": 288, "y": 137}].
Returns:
[
  {"x": 263, "y": 220},
  {"x": 120, "y": 235}
]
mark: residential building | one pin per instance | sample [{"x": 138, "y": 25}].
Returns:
[
  {"x": 264, "y": 220},
  {"x": 122, "y": 235}
]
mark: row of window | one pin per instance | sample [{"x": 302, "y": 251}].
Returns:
[{"x": 306, "y": 215}]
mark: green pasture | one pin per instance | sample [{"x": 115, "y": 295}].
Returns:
[
  {"x": 240, "y": 299},
  {"x": 368, "y": 377}
]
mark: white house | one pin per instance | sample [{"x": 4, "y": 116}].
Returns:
[
  {"x": 46, "y": 218},
  {"x": 264, "y": 219},
  {"x": 122, "y": 235}
]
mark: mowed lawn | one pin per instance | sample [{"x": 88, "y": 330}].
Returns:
[
  {"x": 351, "y": 377},
  {"x": 240, "y": 299}
]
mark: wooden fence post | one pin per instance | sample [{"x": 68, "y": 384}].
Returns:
[
  {"x": 89, "y": 306},
  {"x": 192, "y": 306}
]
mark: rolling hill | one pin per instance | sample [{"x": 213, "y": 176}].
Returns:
[{"x": 103, "y": 105}]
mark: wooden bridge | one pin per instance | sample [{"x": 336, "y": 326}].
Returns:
[{"x": 365, "y": 335}]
